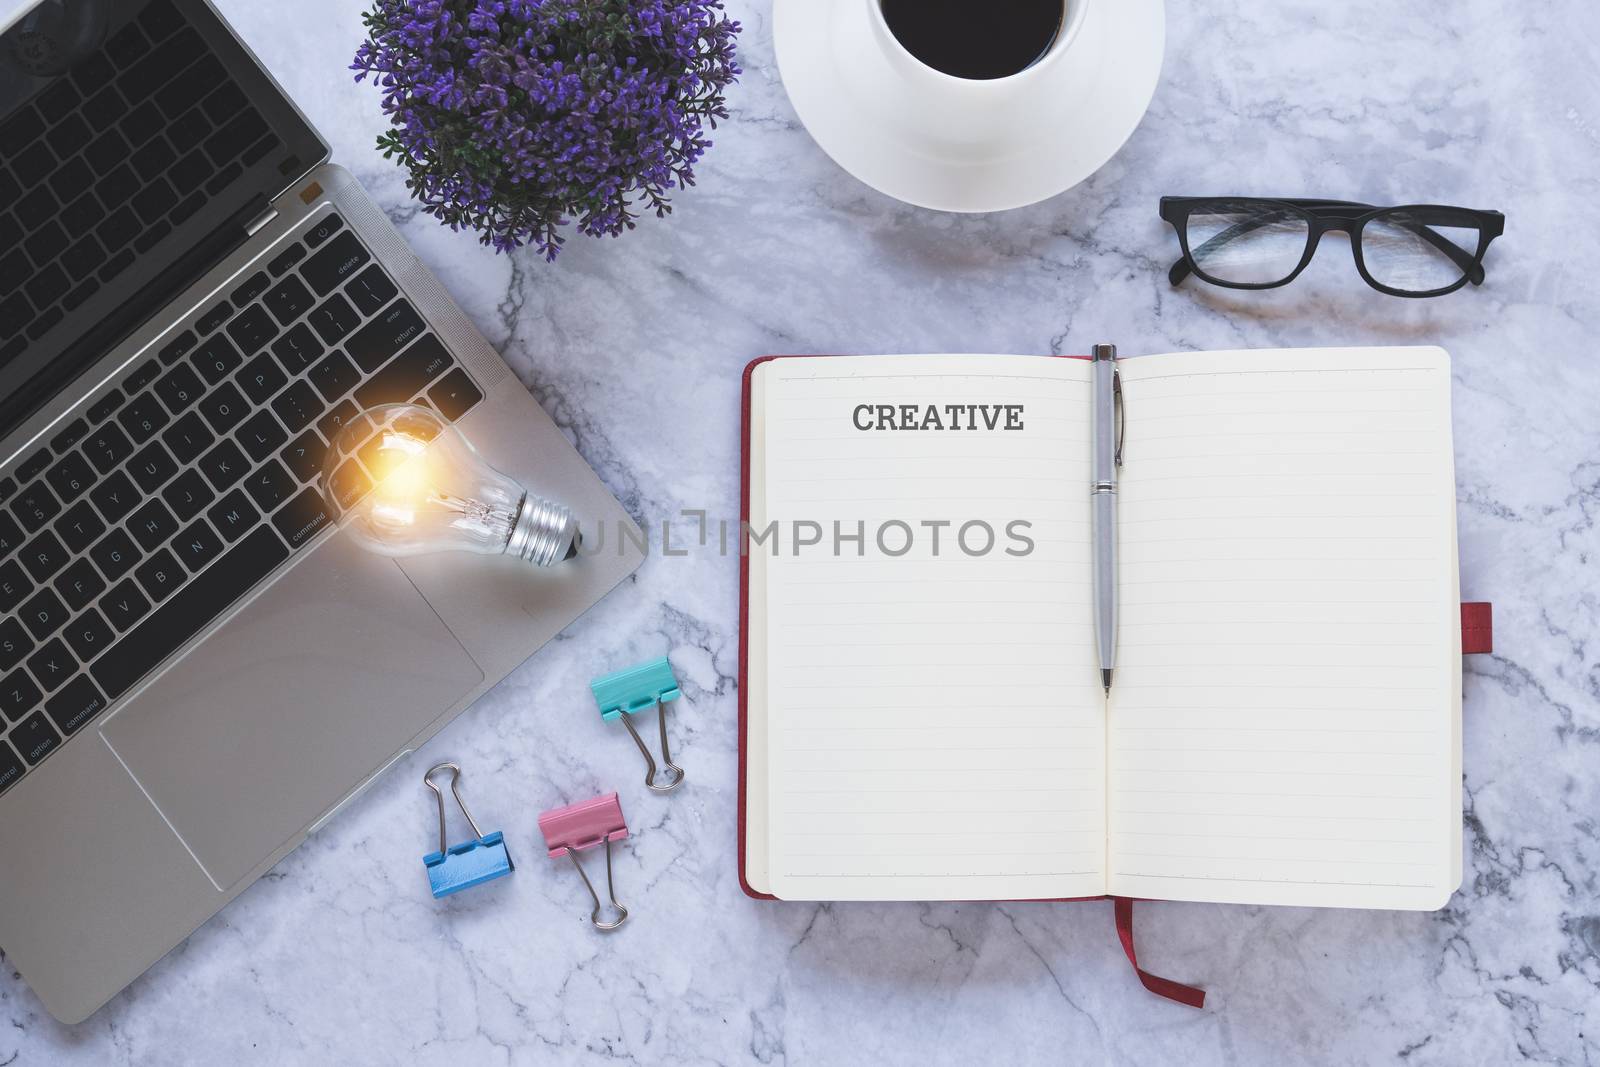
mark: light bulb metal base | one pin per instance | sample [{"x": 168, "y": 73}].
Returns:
[{"x": 544, "y": 532}]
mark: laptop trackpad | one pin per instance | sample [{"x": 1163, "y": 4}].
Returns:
[{"x": 274, "y": 718}]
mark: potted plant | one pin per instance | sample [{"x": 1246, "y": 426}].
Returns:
[{"x": 517, "y": 118}]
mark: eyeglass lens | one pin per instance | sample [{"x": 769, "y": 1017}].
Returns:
[{"x": 1247, "y": 244}]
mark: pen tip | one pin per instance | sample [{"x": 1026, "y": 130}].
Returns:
[{"x": 1105, "y": 676}]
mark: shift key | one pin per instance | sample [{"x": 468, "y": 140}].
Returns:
[{"x": 406, "y": 375}]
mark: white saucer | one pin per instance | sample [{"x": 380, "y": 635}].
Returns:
[{"x": 958, "y": 145}]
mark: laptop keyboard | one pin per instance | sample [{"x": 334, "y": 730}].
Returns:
[
  {"x": 102, "y": 165},
  {"x": 181, "y": 487}
]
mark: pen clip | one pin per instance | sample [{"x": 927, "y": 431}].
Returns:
[{"x": 1122, "y": 415}]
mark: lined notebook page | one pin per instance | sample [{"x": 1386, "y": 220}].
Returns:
[
  {"x": 933, "y": 729},
  {"x": 1283, "y": 726}
]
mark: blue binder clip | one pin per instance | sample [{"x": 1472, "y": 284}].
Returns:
[
  {"x": 457, "y": 867},
  {"x": 627, "y": 692}
]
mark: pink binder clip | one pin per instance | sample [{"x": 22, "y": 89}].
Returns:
[{"x": 585, "y": 825}]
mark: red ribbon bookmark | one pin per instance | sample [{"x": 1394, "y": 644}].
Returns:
[{"x": 1161, "y": 987}]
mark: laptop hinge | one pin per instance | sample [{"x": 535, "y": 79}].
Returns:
[{"x": 259, "y": 221}]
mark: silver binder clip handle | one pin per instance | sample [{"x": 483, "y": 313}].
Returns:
[
  {"x": 674, "y": 773},
  {"x": 455, "y": 791},
  {"x": 594, "y": 916}
]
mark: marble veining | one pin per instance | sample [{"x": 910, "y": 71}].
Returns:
[{"x": 635, "y": 346}]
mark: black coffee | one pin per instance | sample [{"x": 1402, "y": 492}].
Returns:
[{"x": 979, "y": 39}]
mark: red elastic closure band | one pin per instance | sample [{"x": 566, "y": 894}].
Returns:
[
  {"x": 1477, "y": 628},
  {"x": 1161, "y": 987}
]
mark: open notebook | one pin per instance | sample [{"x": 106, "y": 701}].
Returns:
[{"x": 1284, "y": 727}]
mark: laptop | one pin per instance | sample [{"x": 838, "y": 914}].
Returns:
[{"x": 196, "y": 671}]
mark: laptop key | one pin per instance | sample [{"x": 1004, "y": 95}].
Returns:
[
  {"x": 52, "y": 665},
  {"x": 14, "y": 642},
  {"x": 325, "y": 228},
  {"x": 35, "y": 738},
  {"x": 14, "y": 585},
  {"x": 70, "y": 477},
  {"x": 70, "y": 435},
  {"x": 261, "y": 435},
  {"x": 334, "y": 318},
  {"x": 11, "y": 768},
  {"x": 152, "y": 524},
  {"x": 224, "y": 465},
  {"x": 115, "y": 496},
  {"x": 253, "y": 287},
  {"x": 43, "y": 614},
  {"x": 334, "y": 376},
  {"x": 196, "y": 546},
  {"x": 75, "y": 705},
  {"x": 298, "y": 349},
  {"x": 337, "y": 419},
  {"x": 454, "y": 394},
  {"x": 127, "y": 45},
  {"x": 80, "y": 526},
  {"x": 107, "y": 447},
  {"x": 291, "y": 255},
  {"x": 233, "y": 515},
  {"x": 216, "y": 358},
  {"x": 177, "y": 348},
  {"x": 406, "y": 375},
  {"x": 224, "y": 407},
  {"x": 88, "y": 635},
  {"x": 188, "y": 437},
  {"x": 79, "y": 584},
  {"x": 304, "y": 455},
  {"x": 43, "y": 556},
  {"x": 152, "y": 466},
  {"x": 190, "y": 611},
  {"x": 142, "y": 417},
  {"x": 213, "y": 319},
  {"x": 10, "y": 533},
  {"x": 34, "y": 465},
  {"x": 115, "y": 554},
  {"x": 252, "y": 329},
  {"x": 179, "y": 388},
  {"x": 34, "y": 506},
  {"x": 125, "y": 605},
  {"x": 159, "y": 576},
  {"x": 349, "y": 483},
  {"x": 270, "y": 485},
  {"x": 288, "y": 300},
  {"x": 298, "y": 406},
  {"x": 335, "y": 263},
  {"x": 371, "y": 290},
  {"x": 376, "y": 343},
  {"x": 302, "y": 518},
  {"x": 18, "y": 695},
  {"x": 187, "y": 494},
  {"x": 261, "y": 377}
]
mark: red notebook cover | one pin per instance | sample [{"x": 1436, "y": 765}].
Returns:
[{"x": 1477, "y": 634}]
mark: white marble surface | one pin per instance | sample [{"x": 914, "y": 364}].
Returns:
[{"x": 636, "y": 345}]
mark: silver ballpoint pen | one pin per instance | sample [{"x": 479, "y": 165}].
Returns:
[{"x": 1107, "y": 445}]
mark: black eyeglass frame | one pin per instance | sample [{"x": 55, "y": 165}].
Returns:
[{"x": 1324, "y": 216}]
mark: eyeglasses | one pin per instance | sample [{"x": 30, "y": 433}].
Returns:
[{"x": 1251, "y": 243}]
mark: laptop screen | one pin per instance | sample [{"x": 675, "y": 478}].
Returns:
[{"x": 131, "y": 132}]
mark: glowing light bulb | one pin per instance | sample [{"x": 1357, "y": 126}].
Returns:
[{"x": 404, "y": 482}]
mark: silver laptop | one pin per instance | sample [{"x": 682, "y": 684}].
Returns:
[{"x": 196, "y": 671}]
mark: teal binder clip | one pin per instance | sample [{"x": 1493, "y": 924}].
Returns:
[
  {"x": 457, "y": 867},
  {"x": 628, "y": 692}
]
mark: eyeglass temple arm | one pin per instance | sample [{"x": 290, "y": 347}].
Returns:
[{"x": 1467, "y": 261}]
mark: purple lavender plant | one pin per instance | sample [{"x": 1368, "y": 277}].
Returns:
[{"x": 515, "y": 117}]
